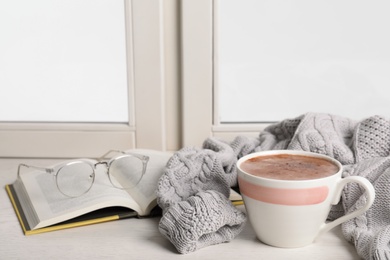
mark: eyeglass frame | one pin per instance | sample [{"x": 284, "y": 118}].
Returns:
[{"x": 100, "y": 161}]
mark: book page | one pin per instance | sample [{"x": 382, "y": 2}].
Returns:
[
  {"x": 145, "y": 192},
  {"x": 51, "y": 206}
]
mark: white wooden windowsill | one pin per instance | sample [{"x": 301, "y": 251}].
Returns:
[{"x": 138, "y": 238}]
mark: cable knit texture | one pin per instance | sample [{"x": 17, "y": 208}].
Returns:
[
  {"x": 193, "y": 193},
  {"x": 194, "y": 189},
  {"x": 201, "y": 220}
]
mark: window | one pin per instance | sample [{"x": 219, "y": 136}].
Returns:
[
  {"x": 293, "y": 57},
  {"x": 176, "y": 82},
  {"x": 61, "y": 65},
  {"x": 141, "y": 122}
]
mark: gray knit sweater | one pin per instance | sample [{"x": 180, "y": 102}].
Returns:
[{"x": 193, "y": 191}]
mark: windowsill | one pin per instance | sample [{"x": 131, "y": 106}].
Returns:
[{"x": 139, "y": 238}]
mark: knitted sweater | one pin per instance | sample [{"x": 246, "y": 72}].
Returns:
[{"x": 194, "y": 189}]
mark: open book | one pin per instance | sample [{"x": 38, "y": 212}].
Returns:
[{"x": 40, "y": 206}]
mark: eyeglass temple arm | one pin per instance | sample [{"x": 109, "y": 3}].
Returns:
[
  {"x": 144, "y": 158},
  {"x": 47, "y": 170},
  {"x": 107, "y": 153}
]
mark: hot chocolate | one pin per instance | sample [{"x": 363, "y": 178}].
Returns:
[{"x": 289, "y": 167}]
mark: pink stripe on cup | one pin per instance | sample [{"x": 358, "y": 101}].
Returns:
[{"x": 290, "y": 197}]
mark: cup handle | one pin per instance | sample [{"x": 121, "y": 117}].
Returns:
[{"x": 370, "y": 195}]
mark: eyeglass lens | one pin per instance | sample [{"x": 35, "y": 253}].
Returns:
[
  {"x": 75, "y": 178},
  {"x": 125, "y": 171}
]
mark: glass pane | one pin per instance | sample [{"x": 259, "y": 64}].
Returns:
[
  {"x": 63, "y": 61},
  {"x": 279, "y": 59}
]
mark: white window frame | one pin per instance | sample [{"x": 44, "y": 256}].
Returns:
[
  {"x": 199, "y": 77},
  {"x": 146, "y": 85},
  {"x": 200, "y": 86}
]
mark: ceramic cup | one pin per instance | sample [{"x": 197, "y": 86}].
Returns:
[{"x": 293, "y": 213}]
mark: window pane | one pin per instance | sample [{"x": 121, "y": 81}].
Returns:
[
  {"x": 63, "y": 61},
  {"x": 279, "y": 59}
]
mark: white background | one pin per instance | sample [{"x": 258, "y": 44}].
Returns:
[
  {"x": 63, "y": 61},
  {"x": 279, "y": 59}
]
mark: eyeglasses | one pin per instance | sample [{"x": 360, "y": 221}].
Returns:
[{"x": 76, "y": 178}]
